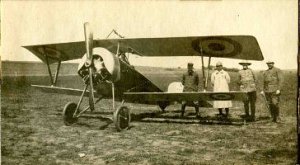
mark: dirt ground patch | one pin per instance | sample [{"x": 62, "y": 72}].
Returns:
[{"x": 33, "y": 133}]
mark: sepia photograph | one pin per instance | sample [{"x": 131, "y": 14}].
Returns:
[{"x": 149, "y": 82}]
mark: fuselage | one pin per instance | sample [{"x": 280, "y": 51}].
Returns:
[{"x": 113, "y": 72}]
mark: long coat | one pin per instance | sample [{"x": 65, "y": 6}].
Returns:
[{"x": 220, "y": 80}]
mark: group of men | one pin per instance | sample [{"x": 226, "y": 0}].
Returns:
[{"x": 220, "y": 79}]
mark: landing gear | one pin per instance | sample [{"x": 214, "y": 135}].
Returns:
[
  {"x": 87, "y": 71},
  {"x": 122, "y": 118},
  {"x": 68, "y": 113}
]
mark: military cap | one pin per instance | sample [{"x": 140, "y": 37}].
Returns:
[
  {"x": 270, "y": 62},
  {"x": 190, "y": 64}
]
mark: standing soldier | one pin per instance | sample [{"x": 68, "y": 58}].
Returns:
[
  {"x": 190, "y": 81},
  {"x": 219, "y": 81},
  {"x": 272, "y": 79},
  {"x": 247, "y": 84}
]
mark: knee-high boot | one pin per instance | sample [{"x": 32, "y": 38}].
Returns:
[
  {"x": 182, "y": 109},
  {"x": 227, "y": 111},
  {"x": 273, "y": 112}
]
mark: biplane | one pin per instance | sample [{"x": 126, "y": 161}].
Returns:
[{"x": 107, "y": 73}]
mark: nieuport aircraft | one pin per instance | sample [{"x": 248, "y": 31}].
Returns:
[{"x": 106, "y": 71}]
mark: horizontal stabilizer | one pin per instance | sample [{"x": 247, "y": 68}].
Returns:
[{"x": 61, "y": 90}]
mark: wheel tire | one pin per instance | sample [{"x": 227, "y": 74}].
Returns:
[
  {"x": 122, "y": 118},
  {"x": 68, "y": 113}
]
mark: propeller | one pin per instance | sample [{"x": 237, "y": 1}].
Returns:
[{"x": 89, "y": 51}]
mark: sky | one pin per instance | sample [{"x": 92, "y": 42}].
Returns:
[{"x": 272, "y": 22}]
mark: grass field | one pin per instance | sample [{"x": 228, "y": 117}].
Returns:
[{"x": 33, "y": 132}]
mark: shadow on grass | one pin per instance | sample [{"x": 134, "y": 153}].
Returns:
[
  {"x": 166, "y": 117},
  {"x": 154, "y": 117},
  {"x": 90, "y": 125}
]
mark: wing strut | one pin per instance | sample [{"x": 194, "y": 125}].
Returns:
[
  {"x": 52, "y": 80},
  {"x": 205, "y": 76},
  {"x": 203, "y": 72},
  {"x": 207, "y": 73},
  {"x": 57, "y": 71}
]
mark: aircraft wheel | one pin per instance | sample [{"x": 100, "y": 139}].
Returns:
[
  {"x": 122, "y": 118},
  {"x": 68, "y": 112}
]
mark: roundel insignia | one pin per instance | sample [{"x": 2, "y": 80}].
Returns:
[
  {"x": 217, "y": 46},
  {"x": 222, "y": 96}
]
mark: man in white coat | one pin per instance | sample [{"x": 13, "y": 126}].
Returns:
[{"x": 220, "y": 80}]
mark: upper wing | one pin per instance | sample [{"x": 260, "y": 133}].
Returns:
[
  {"x": 142, "y": 97},
  {"x": 237, "y": 47}
]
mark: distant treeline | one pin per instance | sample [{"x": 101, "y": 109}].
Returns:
[{"x": 225, "y": 68}]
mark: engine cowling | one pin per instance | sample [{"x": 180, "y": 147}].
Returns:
[{"x": 106, "y": 66}]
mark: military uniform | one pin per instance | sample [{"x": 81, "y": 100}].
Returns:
[
  {"x": 272, "y": 79},
  {"x": 247, "y": 84},
  {"x": 190, "y": 81}
]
